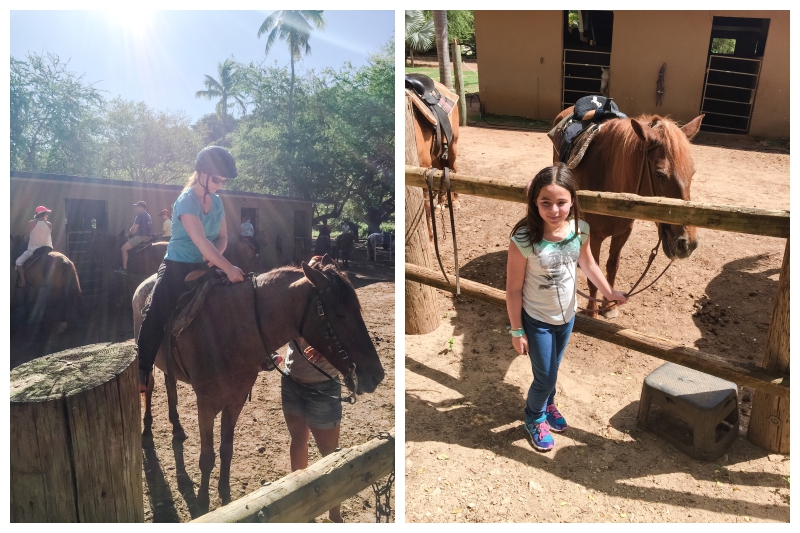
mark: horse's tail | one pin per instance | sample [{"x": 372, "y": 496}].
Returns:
[{"x": 73, "y": 300}]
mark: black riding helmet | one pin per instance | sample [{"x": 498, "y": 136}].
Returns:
[{"x": 216, "y": 161}]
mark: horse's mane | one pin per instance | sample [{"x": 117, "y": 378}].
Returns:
[
  {"x": 295, "y": 272},
  {"x": 624, "y": 148}
]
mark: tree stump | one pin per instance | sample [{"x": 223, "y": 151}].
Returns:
[
  {"x": 75, "y": 437},
  {"x": 769, "y": 418},
  {"x": 422, "y": 309}
]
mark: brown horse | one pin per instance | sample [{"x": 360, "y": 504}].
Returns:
[
  {"x": 614, "y": 163},
  {"x": 146, "y": 261},
  {"x": 221, "y": 351},
  {"x": 344, "y": 246},
  {"x": 57, "y": 290},
  {"x": 243, "y": 253},
  {"x": 425, "y": 135}
]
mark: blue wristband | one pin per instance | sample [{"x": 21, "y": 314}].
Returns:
[{"x": 517, "y": 332}]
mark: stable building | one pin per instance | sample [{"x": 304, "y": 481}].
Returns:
[
  {"x": 84, "y": 206},
  {"x": 732, "y": 66}
]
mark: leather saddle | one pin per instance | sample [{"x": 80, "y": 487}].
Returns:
[
  {"x": 142, "y": 245},
  {"x": 571, "y": 136},
  {"x": 435, "y": 107},
  {"x": 37, "y": 254}
]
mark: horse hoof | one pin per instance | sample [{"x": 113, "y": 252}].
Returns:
[
  {"x": 611, "y": 313},
  {"x": 225, "y": 496},
  {"x": 178, "y": 435}
]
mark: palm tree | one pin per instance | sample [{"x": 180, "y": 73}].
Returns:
[
  {"x": 443, "y": 48},
  {"x": 419, "y": 32},
  {"x": 225, "y": 88},
  {"x": 295, "y": 28}
]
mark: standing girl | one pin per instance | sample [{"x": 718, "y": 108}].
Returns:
[
  {"x": 541, "y": 290},
  {"x": 199, "y": 236}
]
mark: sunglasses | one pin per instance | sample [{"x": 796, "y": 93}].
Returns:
[{"x": 217, "y": 181}]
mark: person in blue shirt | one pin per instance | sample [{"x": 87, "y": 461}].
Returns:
[
  {"x": 142, "y": 229},
  {"x": 199, "y": 236}
]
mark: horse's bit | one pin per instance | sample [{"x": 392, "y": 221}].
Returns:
[
  {"x": 313, "y": 297},
  {"x": 653, "y": 252},
  {"x": 445, "y": 182}
]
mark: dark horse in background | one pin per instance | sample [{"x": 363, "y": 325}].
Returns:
[
  {"x": 220, "y": 353},
  {"x": 614, "y": 163},
  {"x": 243, "y": 253},
  {"x": 53, "y": 291},
  {"x": 344, "y": 246},
  {"x": 143, "y": 261}
]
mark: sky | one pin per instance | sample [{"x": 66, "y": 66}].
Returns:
[{"x": 162, "y": 57}]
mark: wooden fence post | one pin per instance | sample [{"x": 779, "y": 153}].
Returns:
[
  {"x": 458, "y": 74},
  {"x": 769, "y": 419},
  {"x": 422, "y": 310},
  {"x": 76, "y": 437}
]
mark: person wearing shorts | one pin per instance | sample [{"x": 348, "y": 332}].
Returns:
[
  {"x": 142, "y": 229},
  {"x": 308, "y": 412}
]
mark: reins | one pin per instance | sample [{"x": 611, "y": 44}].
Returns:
[
  {"x": 444, "y": 183},
  {"x": 313, "y": 296},
  {"x": 653, "y": 252}
]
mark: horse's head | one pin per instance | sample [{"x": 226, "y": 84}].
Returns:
[
  {"x": 334, "y": 326},
  {"x": 668, "y": 173}
]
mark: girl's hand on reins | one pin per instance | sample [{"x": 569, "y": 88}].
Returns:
[
  {"x": 235, "y": 274},
  {"x": 520, "y": 344},
  {"x": 619, "y": 297}
]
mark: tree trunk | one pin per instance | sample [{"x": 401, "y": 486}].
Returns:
[
  {"x": 75, "y": 437},
  {"x": 422, "y": 309},
  {"x": 442, "y": 48},
  {"x": 459, "y": 84},
  {"x": 769, "y": 419}
]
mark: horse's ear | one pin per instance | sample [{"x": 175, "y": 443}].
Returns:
[
  {"x": 644, "y": 131},
  {"x": 691, "y": 129},
  {"x": 316, "y": 277}
]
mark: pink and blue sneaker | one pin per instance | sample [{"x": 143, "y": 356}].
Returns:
[
  {"x": 541, "y": 438},
  {"x": 555, "y": 419}
]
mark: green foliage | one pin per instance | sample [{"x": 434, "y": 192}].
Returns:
[
  {"x": 419, "y": 31},
  {"x": 460, "y": 26},
  {"x": 722, "y": 46},
  {"x": 573, "y": 20},
  {"x": 226, "y": 88}
]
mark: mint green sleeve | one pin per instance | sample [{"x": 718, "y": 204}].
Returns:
[
  {"x": 522, "y": 243},
  {"x": 584, "y": 231}
]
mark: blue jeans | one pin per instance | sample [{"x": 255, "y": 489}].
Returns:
[{"x": 546, "y": 346}]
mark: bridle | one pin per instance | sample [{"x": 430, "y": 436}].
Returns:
[
  {"x": 654, "y": 252},
  {"x": 314, "y": 300}
]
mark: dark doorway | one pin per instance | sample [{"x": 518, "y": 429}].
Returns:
[
  {"x": 302, "y": 237},
  {"x": 252, "y": 214},
  {"x": 732, "y": 72},
  {"x": 587, "y": 54},
  {"x": 84, "y": 219}
]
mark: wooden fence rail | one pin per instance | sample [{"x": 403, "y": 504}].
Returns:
[
  {"x": 750, "y": 375},
  {"x": 767, "y": 222},
  {"x": 305, "y": 494}
]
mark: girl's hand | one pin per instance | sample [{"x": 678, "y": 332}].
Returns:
[
  {"x": 520, "y": 344},
  {"x": 619, "y": 297},
  {"x": 235, "y": 274}
]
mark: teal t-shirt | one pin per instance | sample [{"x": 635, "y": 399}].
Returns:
[{"x": 180, "y": 247}]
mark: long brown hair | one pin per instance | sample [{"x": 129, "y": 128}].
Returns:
[{"x": 532, "y": 221}]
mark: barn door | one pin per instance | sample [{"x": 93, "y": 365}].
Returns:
[
  {"x": 732, "y": 72},
  {"x": 587, "y": 53},
  {"x": 84, "y": 219}
]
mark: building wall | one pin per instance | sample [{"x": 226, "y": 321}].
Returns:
[
  {"x": 276, "y": 216},
  {"x": 520, "y": 55},
  {"x": 519, "y": 62}
]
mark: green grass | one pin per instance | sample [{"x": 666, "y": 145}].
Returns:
[
  {"x": 470, "y": 78},
  {"x": 515, "y": 122}
]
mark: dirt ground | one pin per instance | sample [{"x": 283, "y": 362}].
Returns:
[
  {"x": 468, "y": 458},
  {"x": 261, "y": 443}
]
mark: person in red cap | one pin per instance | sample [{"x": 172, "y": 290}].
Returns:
[
  {"x": 40, "y": 231},
  {"x": 142, "y": 229}
]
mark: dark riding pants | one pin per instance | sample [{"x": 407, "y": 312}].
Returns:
[{"x": 168, "y": 288}]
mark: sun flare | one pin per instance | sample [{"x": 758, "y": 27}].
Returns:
[{"x": 134, "y": 21}]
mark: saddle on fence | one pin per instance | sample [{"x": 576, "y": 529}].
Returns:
[
  {"x": 37, "y": 254},
  {"x": 571, "y": 136},
  {"x": 436, "y": 106}
]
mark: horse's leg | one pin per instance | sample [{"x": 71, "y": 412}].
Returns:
[
  {"x": 594, "y": 247},
  {"x": 614, "y": 251},
  {"x": 230, "y": 415},
  {"x": 205, "y": 417},
  {"x": 147, "y": 434},
  {"x": 172, "y": 400}
]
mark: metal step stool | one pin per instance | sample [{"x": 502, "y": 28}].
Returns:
[{"x": 701, "y": 400}]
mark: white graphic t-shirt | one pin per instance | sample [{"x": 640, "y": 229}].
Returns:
[{"x": 548, "y": 293}]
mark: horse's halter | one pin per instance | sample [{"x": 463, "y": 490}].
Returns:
[{"x": 314, "y": 297}]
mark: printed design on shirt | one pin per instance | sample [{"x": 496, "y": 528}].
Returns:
[{"x": 558, "y": 259}]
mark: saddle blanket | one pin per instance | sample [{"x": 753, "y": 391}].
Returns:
[{"x": 37, "y": 254}]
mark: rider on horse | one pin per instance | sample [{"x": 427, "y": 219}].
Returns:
[
  {"x": 40, "y": 235},
  {"x": 199, "y": 236}
]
